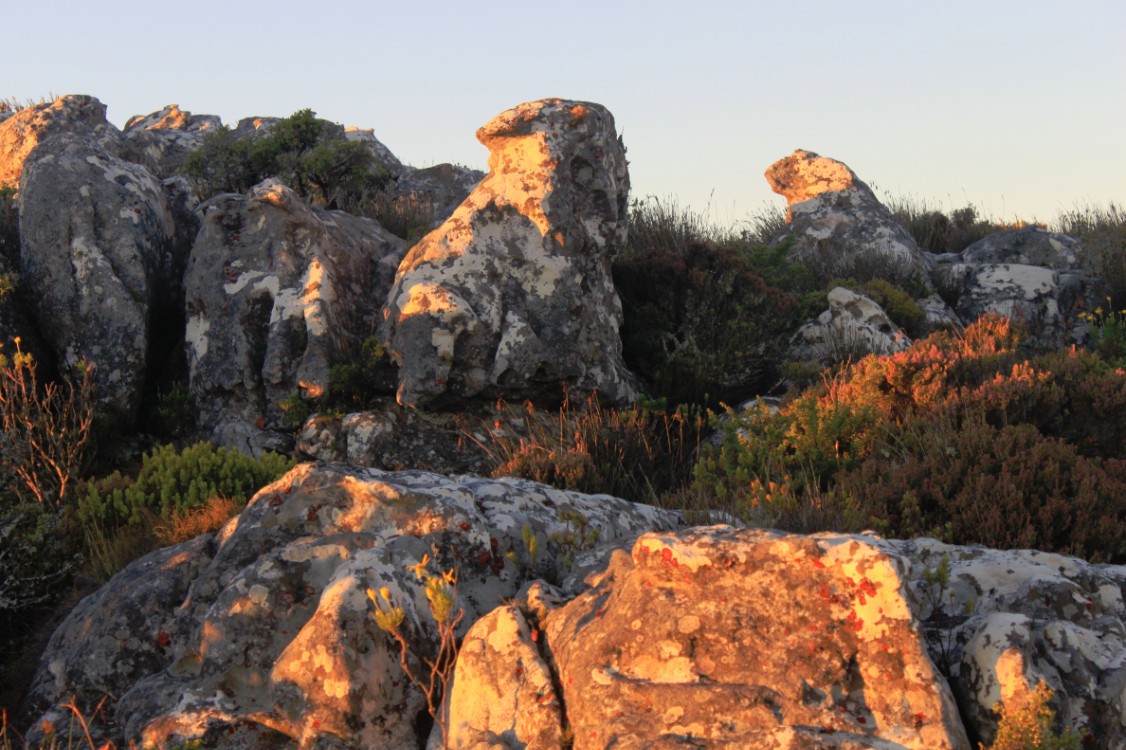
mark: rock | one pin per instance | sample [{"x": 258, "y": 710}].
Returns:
[
  {"x": 747, "y": 638},
  {"x": 162, "y": 140},
  {"x": 513, "y": 295},
  {"x": 24, "y": 130},
  {"x": 439, "y": 189},
  {"x": 96, "y": 271},
  {"x": 1028, "y": 246},
  {"x": 1007, "y": 617},
  {"x": 392, "y": 437},
  {"x": 852, "y": 327},
  {"x": 840, "y": 228},
  {"x": 276, "y": 293},
  {"x": 383, "y": 156},
  {"x": 939, "y": 315},
  {"x": 263, "y": 632}
]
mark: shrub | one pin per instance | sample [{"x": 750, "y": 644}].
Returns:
[
  {"x": 44, "y": 429},
  {"x": 636, "y": 454},
  {"x": 170, "y": 482},
  {"x": 308, "y": 154},
  {"x": 934, "y": 231},
  {"x": 700, "y": 326},
  {"x": 1026, "y": 723},
  {"x": 357, "y": 384},
  {"x": 900, "y": 307},
  {"x": 9, "y": 224},
  {"x": 1103, "y": 233}
]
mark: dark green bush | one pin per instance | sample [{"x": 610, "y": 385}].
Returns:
[
  {"x": 357, "y": 384},
  {"x": 310, "y": 155},
  {"x": 9, "y": 225},
  {"x": 1103, "y": 234},
  {"x": 935, "y": 232},
  {"x": 171, "y": 481},
  {"x": 700, "y": 325}
]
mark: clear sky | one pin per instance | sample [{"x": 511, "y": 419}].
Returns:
[{"x": 1016, "y": 106}]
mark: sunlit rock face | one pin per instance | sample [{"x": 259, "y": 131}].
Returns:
[
  {"x": 98, "y": 270},
  {"x": 276, "y": 292},
  {"x": 749, "y": 638},
  {"x": 163, "y": 139},
  {"x": 852, "y": 327},
  {"x": 23, "y": 131},
  {"x": 838, "y": 224},
  {"x": 1030, "y": 275},
  {"x": 262, "y": 635},
  {"x": 512, "y": 295}
]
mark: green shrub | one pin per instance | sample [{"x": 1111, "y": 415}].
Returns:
[
  {"x": 1103, "y": 234},
  {"x": 700, "y": 326},
  {"x": 357, "y": 384},
  {"x": 934, "y": 231},
  {"x": 1027, "y": 722},
  {"x": 310, "y": 155},
  {"x": 9, "y": 224},
  {"x": 171, "y": 481}
]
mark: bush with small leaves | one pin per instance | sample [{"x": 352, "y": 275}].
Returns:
[{"x": 1027, "y": 722}]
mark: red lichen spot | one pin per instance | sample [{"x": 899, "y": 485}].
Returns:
[
  {"x": 316, "y": 724},
  {"x": 667, "y": 557},
  {"x": 920, "y": 718},
  {"x": 535, "y": 635},
  {"x": 861, "y": 720},
  {"x": 483, "y": 558},
  {"x": 260, "y": 423},
  {"x": 163, "y": 639},
  {"x": 275, "y": 501},
  {"x": 599, "y": 613},
  {"x": 816, "y": 562},
  {"x": 493, "y": 544},
  {"x": 464, "y": 526}
]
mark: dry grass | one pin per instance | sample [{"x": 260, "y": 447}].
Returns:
[{"x": 188, "y": 524}]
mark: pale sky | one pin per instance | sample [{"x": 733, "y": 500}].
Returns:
[{"x": 1017, "y": 107}]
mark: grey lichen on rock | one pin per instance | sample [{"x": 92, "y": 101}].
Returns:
[{"x": 512, "y": 294}]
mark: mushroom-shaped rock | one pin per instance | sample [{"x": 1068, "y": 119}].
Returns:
[
  {"x": 276, "y": 292},
  {"x": 840, "y": 228},
  {"x": 99, "y": 270},
  {"x": 513, "y": 295}
]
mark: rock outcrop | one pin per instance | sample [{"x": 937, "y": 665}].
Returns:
[
  {"x": 96, "y": 271},
  {"x": 853, "y": 326},
  {"x": 263, "y": 632},
  {"x": 162, "y": 140},
  {"x": 512, "y": 294},
  {"x": 276, "y": 293},
  {"x": 839, "y": 227},
  {"x": 1030, "y": 275},
  {"x": 24, "y": 130}
]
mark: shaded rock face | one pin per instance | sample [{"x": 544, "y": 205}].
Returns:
[
  {"x": 383, "y": 156},
  {"x": 97, "y": 271},
  {"x": 442, "y": 187},
  {"x": 276, "y": 292},
  {"x": 853, "y": 326},
  {"x": 162, "y": 140},
  {"x": 24, "y": 130},
  {"x": 512, "y": 294},
  {"x": 1006, "y": 620},
  {"x": 1030, "y": 275},
  {"x": 263, "y": 633},
  {"x": 839, "y": 226}
]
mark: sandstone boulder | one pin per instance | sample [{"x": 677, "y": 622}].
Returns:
[
  {"x": 720, "y": 638},
  {"x": 262, "y": 634},
  {"x": 438, "y": 189},
  {"x": 98, "y": 271},
  {"x": 840, "y": 228},
  {"x": 382, "y": 155},
  {"x": 853, "y": 326},
  {"x": 276, "y": 293},
  {"x": 162, "y": 140},
  {"x": 24, "y": 130},
  {"x": 512, "y": 294}
]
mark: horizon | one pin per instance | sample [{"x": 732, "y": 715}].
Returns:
[{"x": 1015, "y": 109}]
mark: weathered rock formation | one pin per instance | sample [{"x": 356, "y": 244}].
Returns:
[
  {"x": 513, "y": 293},
  {"x": 24, "y": 130},
  {"x": 839, "y": 227},
  {"x": 97, "y": 270},
  {"x": 1030, "y": 275},
  {"x": 162, "y": 140},
  {"x": 263, "y": 632},
  {"x": 277, "y": 292},
  {"x": 853, "y": 326}
]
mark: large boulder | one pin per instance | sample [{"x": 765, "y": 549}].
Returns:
[
  {"x": 276, "y": 293},
  {"x": 98, "y": 271},
  {"x": 513, "y": 295},
  {"x": 733, "y": 638},
  {"x": 1030, "y": 275},
  {"x": 839, "y": 228},
  {"x": 24, "y": 130},
  {"x": 163, "y": 139},
  {"x": 262, "y": 634},
  {"x": 384, "y": 158}
]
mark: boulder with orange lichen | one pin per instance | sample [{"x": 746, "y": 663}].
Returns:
[
  {"x": 263, "y": 632},
  {"x": 276, "y": 293},
  {"x": 163, "y": 139},
  {"x": 513, "y": 295},
  {"x": 22, "y": 131}
]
